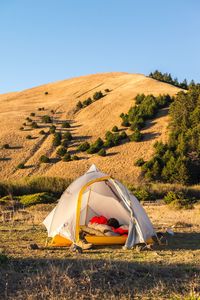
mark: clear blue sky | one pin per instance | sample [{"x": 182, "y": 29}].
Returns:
[{"x": 48, "y": 40}]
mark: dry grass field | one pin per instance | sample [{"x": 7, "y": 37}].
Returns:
[
  {"x": 165, "y": 272},
  {"x": 87, "y": 124}
]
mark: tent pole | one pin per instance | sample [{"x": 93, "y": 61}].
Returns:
[
  {"x": 87, "y": 204},
  {"x": 78, "y": 209}
]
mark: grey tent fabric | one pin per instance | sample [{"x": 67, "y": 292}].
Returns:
[{"x": 131, "y": 239}]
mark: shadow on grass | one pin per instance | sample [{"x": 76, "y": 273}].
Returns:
[
  {"x": 112, "y": 154},
  {"x": 15, "y": 147},
  {"x": 28, "y": 166},
  {"x": 33, "y": 138},
  {"x": 150, "y": 136},
  {"x": 75, "y": 126},
  {"x": 184, "y": 241},
  {"x": 151, "y": 122},
  {"x": 55, "y": 160},
  {"x": 76, "y": 277},
  {"x": 81, "y": 138},
  {"x": 27, "y": 129},
  {"x": 5, "y": 158}
]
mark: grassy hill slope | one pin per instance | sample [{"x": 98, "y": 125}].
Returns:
[{"x": 88, "y": 124}]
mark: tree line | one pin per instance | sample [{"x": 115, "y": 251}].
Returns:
[
  {"x": 179, "y": 159},
  {"x": 166, "y": 77}
]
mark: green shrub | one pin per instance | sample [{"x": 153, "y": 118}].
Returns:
[
  {"x": 152, "y": 169},
  {"x": 46, "y": 119},
  {"x": 93, "y": 149},
  {"x": 108, "y": 143},
  {"x": 97, "y": 95},
  {"x": 65, "y": 143},
  {"x": 146, "y": 107},
  {"x": 6, "y": 146},
  {"x": 39, "y": 198},
  {"x": 58, "y": 134},
  {"x": 67, "y": 136},
  {"x": 57, "y": 139},
  {"x": 28, "y": 137},
  {"x": 142, "y": 194},
  {"x": 123, "y": 135},
  {"x": 136, "y": 136},
  {"x": 115, "y": 129},
  {"x": 61, "y": 151},
  {"x": 87, "y": 102},
  {"x": 83, "y": 147},
  {"x": 74, "y": 157},
  {"x": 79, "y": 105},
  {"x": 4, "y": 200},
  {"x": 108, "y": 135},
  {"x": 116, "y": 139},
  {"x": 139, "y": 98},
  {"x": 31, "y": 185},
  {"x": 160, "y": 148},
  {"x": 44, "y": 159},
  {"x": 42, "y": 132},
  {"x": 171, "y": 196},
  {"x": 21, "y": 166},
  {"x": 32, "y": 114},
  {"x": 137, "y": 123},
  {"x": 29, "y": 119},
  {"x": 125, "y": 123},
  {"x": 112, "y": 139},
  {"x": 96, "y": 146},
  {"x": 181, "y": 204},
  {"x": 98, "y": 143},
  {"x": 34, "y": 125},
  {"x": 45, "y": 184},
  {"x": 182, "y": 201},
  {"x": 140, "y": 162},
  {"x": 67, "y": 157},
  {"x": 52, "y": 129},
  {"x": 102, "y": 152},
  {"x": 179, "y": 200},
  {"x": 66, "y": 125}
]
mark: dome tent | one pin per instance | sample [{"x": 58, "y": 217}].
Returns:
[{"x": 95, "y": 194}]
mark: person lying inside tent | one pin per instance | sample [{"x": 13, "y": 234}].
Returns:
[{"x": 101, "y": 226}]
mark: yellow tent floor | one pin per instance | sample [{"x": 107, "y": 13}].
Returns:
[{"x": 59, "y": 241}]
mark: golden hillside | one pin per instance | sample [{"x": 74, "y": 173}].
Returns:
[{"x": 87, "y": 124}]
